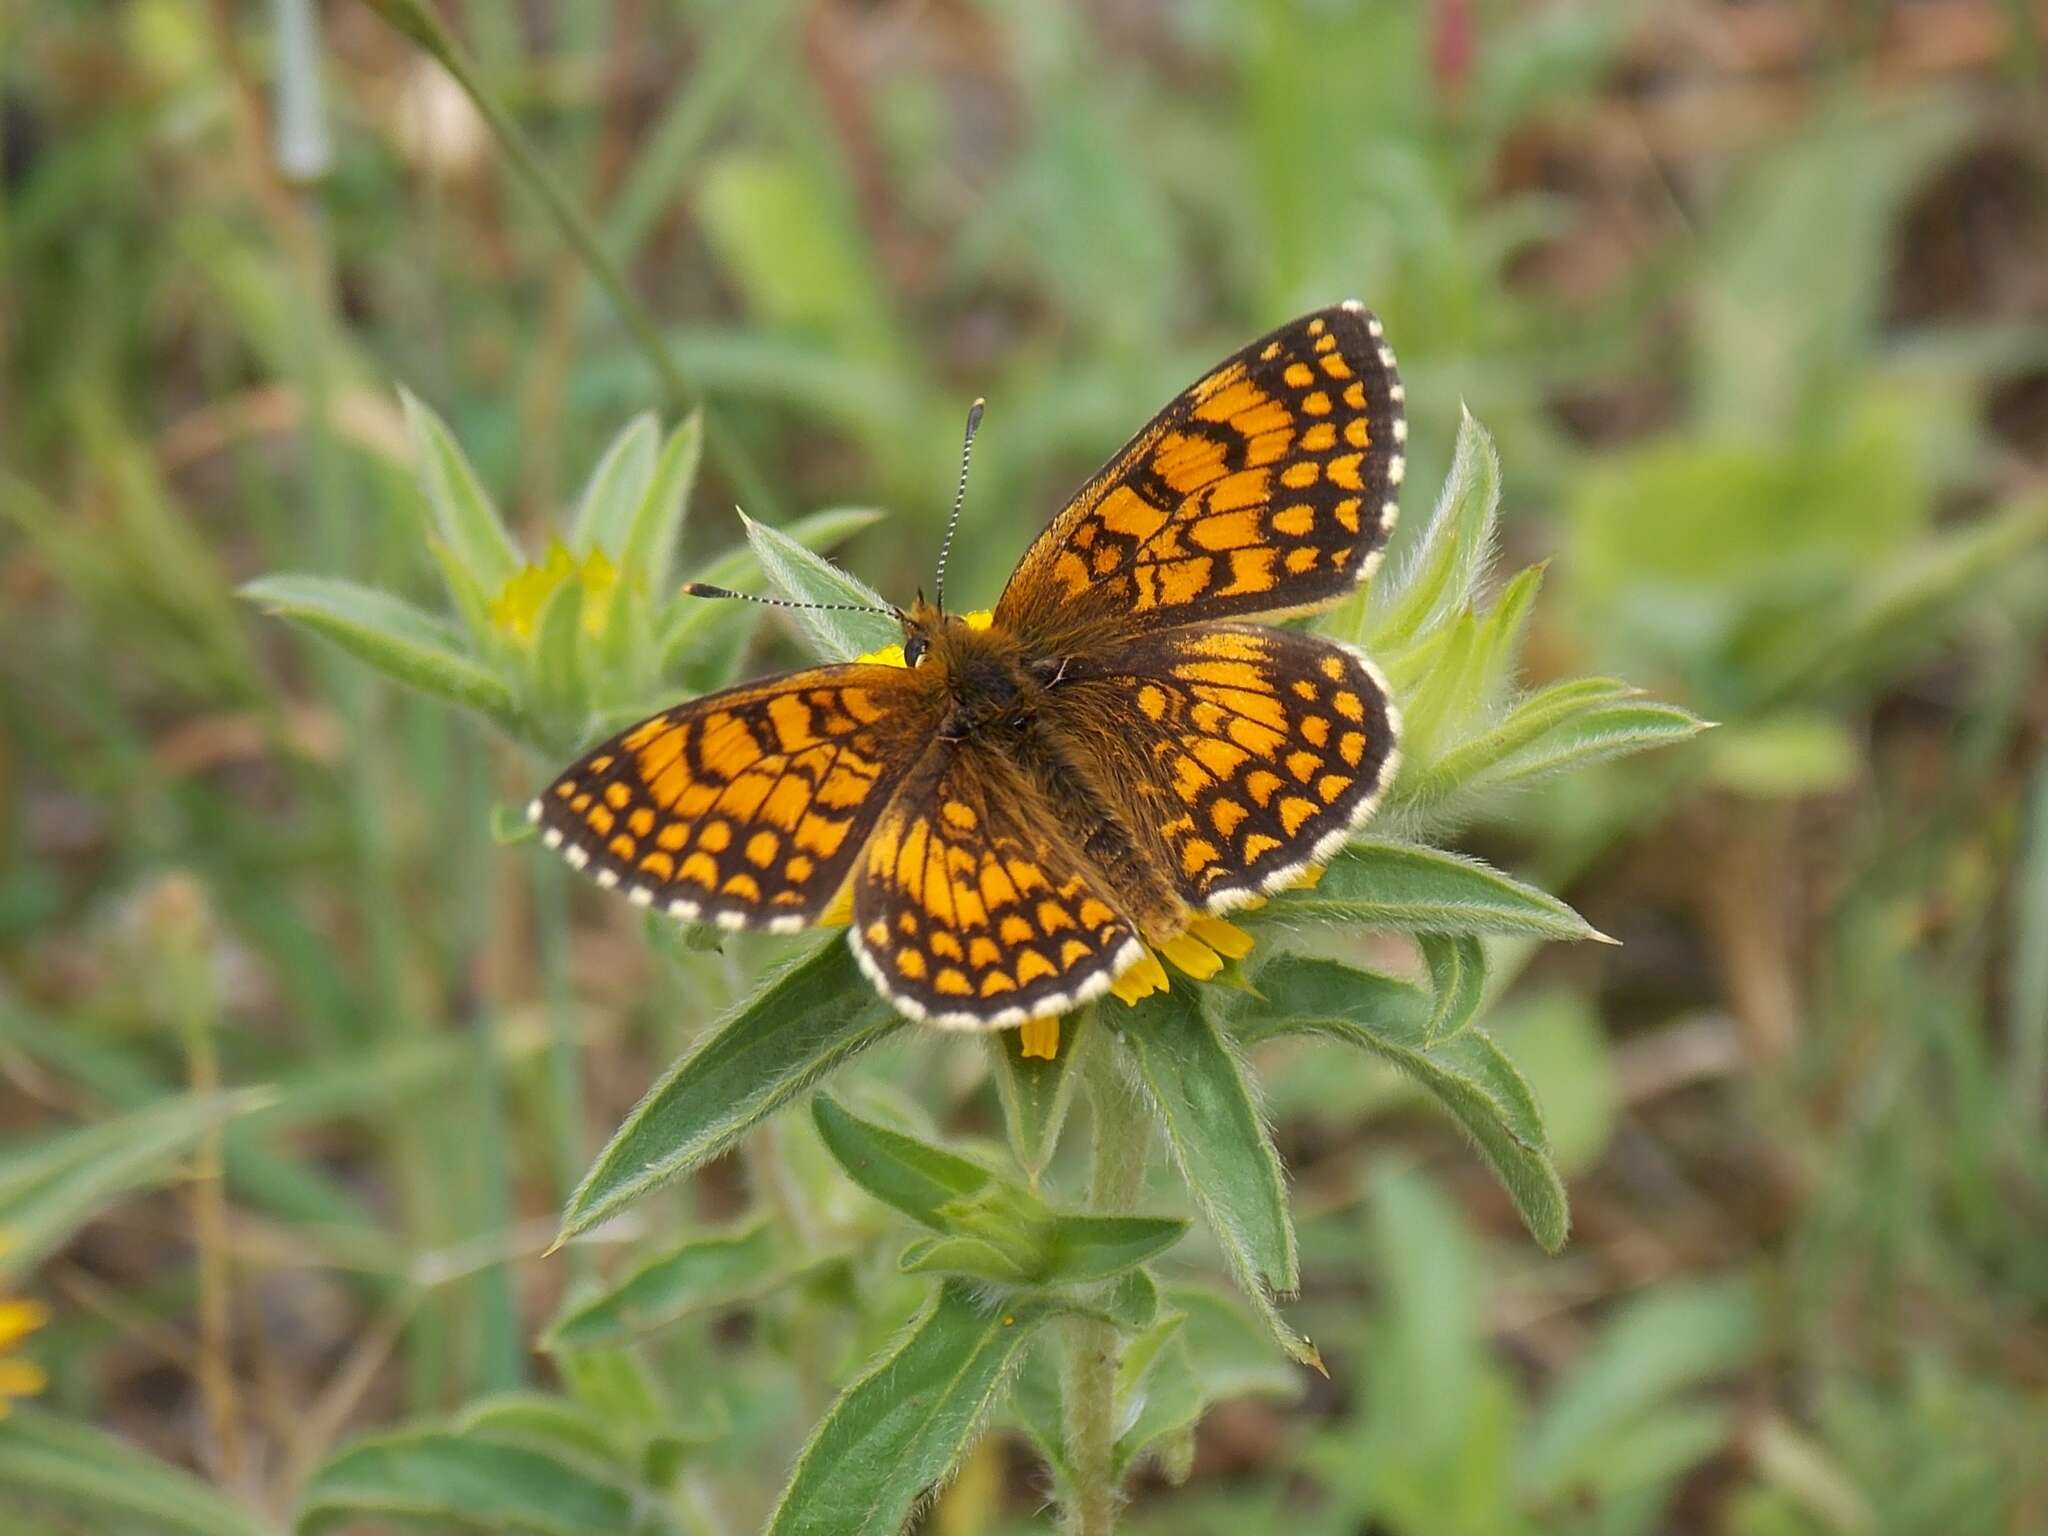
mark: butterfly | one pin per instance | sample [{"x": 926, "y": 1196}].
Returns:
[{"x": 1025, "y": 805}]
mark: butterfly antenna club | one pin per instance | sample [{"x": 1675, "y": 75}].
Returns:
[
  {"x": 959, "y": 496},
  {"x": 705, "y": 589}
]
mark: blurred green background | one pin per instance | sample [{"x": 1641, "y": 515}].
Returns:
[{"x": 1754, "y": 298}]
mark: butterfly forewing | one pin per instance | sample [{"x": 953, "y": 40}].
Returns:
[
  {"x": 746, "y": 808},
  {"x": 972, "y": 907},
  {"x": 1250, "y": 752},
  {"x": 1267, "y": 488}
]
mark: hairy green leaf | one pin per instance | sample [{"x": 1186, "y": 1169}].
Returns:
[
  {"x": 1203, "y": 1099},
  {"x": 1036, "y": 1093},
  {"x": 1087, "y": 1248},
  {"x": 1467, "y": 1075},
  {"x": 902, "y": 1427},
  {"x": 1381, "y": 883},
  {"x": 809, "y": 1017},
  {"x": 616, "y": 489},
  {"x": 704, "y": 1272},
  {"x": 920, "y": 1180},
  {"x": 1457, "y": 970},
  {"x": 804, "y": 577},
  {"x": 1437, "y": 581},
  {"x": 399, "y": 640},
  {"x": 647, "y": 550},
  {"x": 693, "y": 622},
  {"x": 463, "y": 513}
]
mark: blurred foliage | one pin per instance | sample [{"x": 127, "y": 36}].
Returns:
[{"x": 1750, "y": 296}]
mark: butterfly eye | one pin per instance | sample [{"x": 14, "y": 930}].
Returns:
[{"x": 914, "y": 649}]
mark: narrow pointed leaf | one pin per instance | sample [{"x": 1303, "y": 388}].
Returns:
[
  {"x": 1201, "y": 1095},
  {"x": 399, "y": 640},
  {"x": 647, "y": 553},
  {"x": 1457, "y": 970},
  {"x": 1381, "y": 883},
  {"x": 1605, "y": 730},
  {"x": 463, "y": 514},
  {"x": 740, "y": 569},
  {"x": 920, "y": 1180},
  {"x": 1468, "y": 1075},
  {"x": 1438, "y": 578},
  {"x": 704, "y": 1272},
  {"x": 805, "y": 577},
  {"x": 905, "y": 1424},
  {"x": 1530, "y": 719},
  {"x": 1036, "y": 1094},
  {"x": 1089, "y": 1248},
  {"x": 558, "y": 1426},
  {"x": 809, "y": 1018},
  {"x": 616, "y": 489}
]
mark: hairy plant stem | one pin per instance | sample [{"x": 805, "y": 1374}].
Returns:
[{"x": 1123, "y": 1136}]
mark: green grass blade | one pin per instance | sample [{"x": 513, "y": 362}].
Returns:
[
  {"x": 464, "y": 1482},
  {"x": 704, "y": 1272},
  {"x": 80, "y": 1470}
]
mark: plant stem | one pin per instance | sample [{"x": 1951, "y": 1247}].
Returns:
[
  {"x": 418, "y": 22},
  {"x": 1123, "y": 1135}
]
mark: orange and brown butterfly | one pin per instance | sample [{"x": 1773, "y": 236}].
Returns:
[{"x": 1032, "y": 802}]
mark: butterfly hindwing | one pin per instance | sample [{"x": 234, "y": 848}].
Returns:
[
  {"x": 744, "y": 808},
  {"x": 1251, "y": 752},
  {"x": 1266, "y": 488},
  {"x": 972, "y": 907}
]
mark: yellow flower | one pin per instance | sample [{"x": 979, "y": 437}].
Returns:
[
  {"x": 1201, "y": 950},
  {"x": 516, "y": 610},
  {"x": 18, "y": 1319}
]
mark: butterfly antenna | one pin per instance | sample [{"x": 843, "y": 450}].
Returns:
[
  {"x": 959, "y": 496},
  {"x": 705, "y": 589}
]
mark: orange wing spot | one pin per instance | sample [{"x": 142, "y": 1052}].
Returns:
[
  {"x": 1332, "y": 667},
  {"x": 1349, "y": 705},
  {"x": 1316, "y": 403},
  {"x": 1299, "y": 375},
  {"x": 744, "y": 886},
  {"x": 699, "y": 869},
  {"x": 673, "y": 836},
  {"x": 600, "y": 819},
  {"x": 1303, "y": 765},
  {"x": 1331, "y": 785},
  {"x": 1228, "y": 645},
  {"x": 1354, "y": 394},
  {"x": 877, "y": 934},
  {"x": 1257, "y": 845},
  {"x": 1185, "y": 580},
  {"x": 982, "y": 952},
  {"x": 644, "y": 732},
  {"x": 660, "y": 752},
  {"x": 1302, "y": 559},
  {"x": 1052, "y": 917},
  {"x": 1299, "y": 520},
  {"x": 715, "y": 836},
  {"x": 659, "y": 865},
  {"x": 1295, "y": 810},
  {"x": 1152, "y": 701},
  {"x": 1347, "y": 514},
  {"x": 786, "y": 803},
  {"x": 1014, "y": 930},
  {"x": 1226, "y": 816},
  {"x": 1320, "y": 438},
  {"x": 791, "y": 718},
  {"x": 1260, "y": 784},
  {"x": 1315, "y": 730},
  {"x": 907, "y": 921},
  {"x": 640, "y": 821},
  {"x": 846, "y": 785},
  {"x": 1095, "y": 914},
  {"x": 1241, "y": 396},
  {"x": 1251, "y": 570},
  {"x": 1235, "y": 493},
  {"x": 623, "y": 847},
  {"x": 1335, "y": 366},
  {"x": 1025, "y": 875},
  {"x": 1344, "y": 472},
  {"x": 1189, "y": 778},
  {"x": 1187, "y": 461},
  {"x": 1196, "y": 854},
  {"x": 1221, "y": 758},
  {"x": 1304, "y": 689},
  {"x": 1031, "y": 965},
  {"x": 1351, "y": 747},
  {"x": 1356, "y": 433},
  {"x": 953, "y": 982},
  {"x": 1124, "y": 511},
  {"x": 1259, "y": 740},
  {"x": 565, "y": 789},
  {"x": 820, "y": 835},
  {"x": 1317, "y": 326},
  {"x": 601, "y": 762},
  {"x": 1270, "y": 351},
  {"x": 1071, "y": 571},
  {"x": 798, "y": 869},
  {"x": 996, "y": 981},
  {"x": 1072, "y": 952},
  {"x": 1266, "y": 419},
  {"x": 762, "y": 848},
  {"x": 959, "y": 817},
  {"x": 947, "y": 945},
  {"x": 1268, "y": 447},
  {"x": 910, "y": 963},
  {"x": 1299, "y": 476}
]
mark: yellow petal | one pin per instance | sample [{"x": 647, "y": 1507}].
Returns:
[
  {"x": 1310, "y": 879},
  {"x": 1227, "y": 939},
  {"x": 1145, "y": 977},
  {"x": 21, "y": 1378},
  {"x": 1039, "y": 1038},
  {"x": 840, "y": 913},
  {"x": 892, "y": 655},
  {"x": 1193, "y": 956},
  {"x": 18, "y": 1319}
]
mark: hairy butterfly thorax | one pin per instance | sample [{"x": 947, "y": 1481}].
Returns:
[{"x": 1122, "y": 750}]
